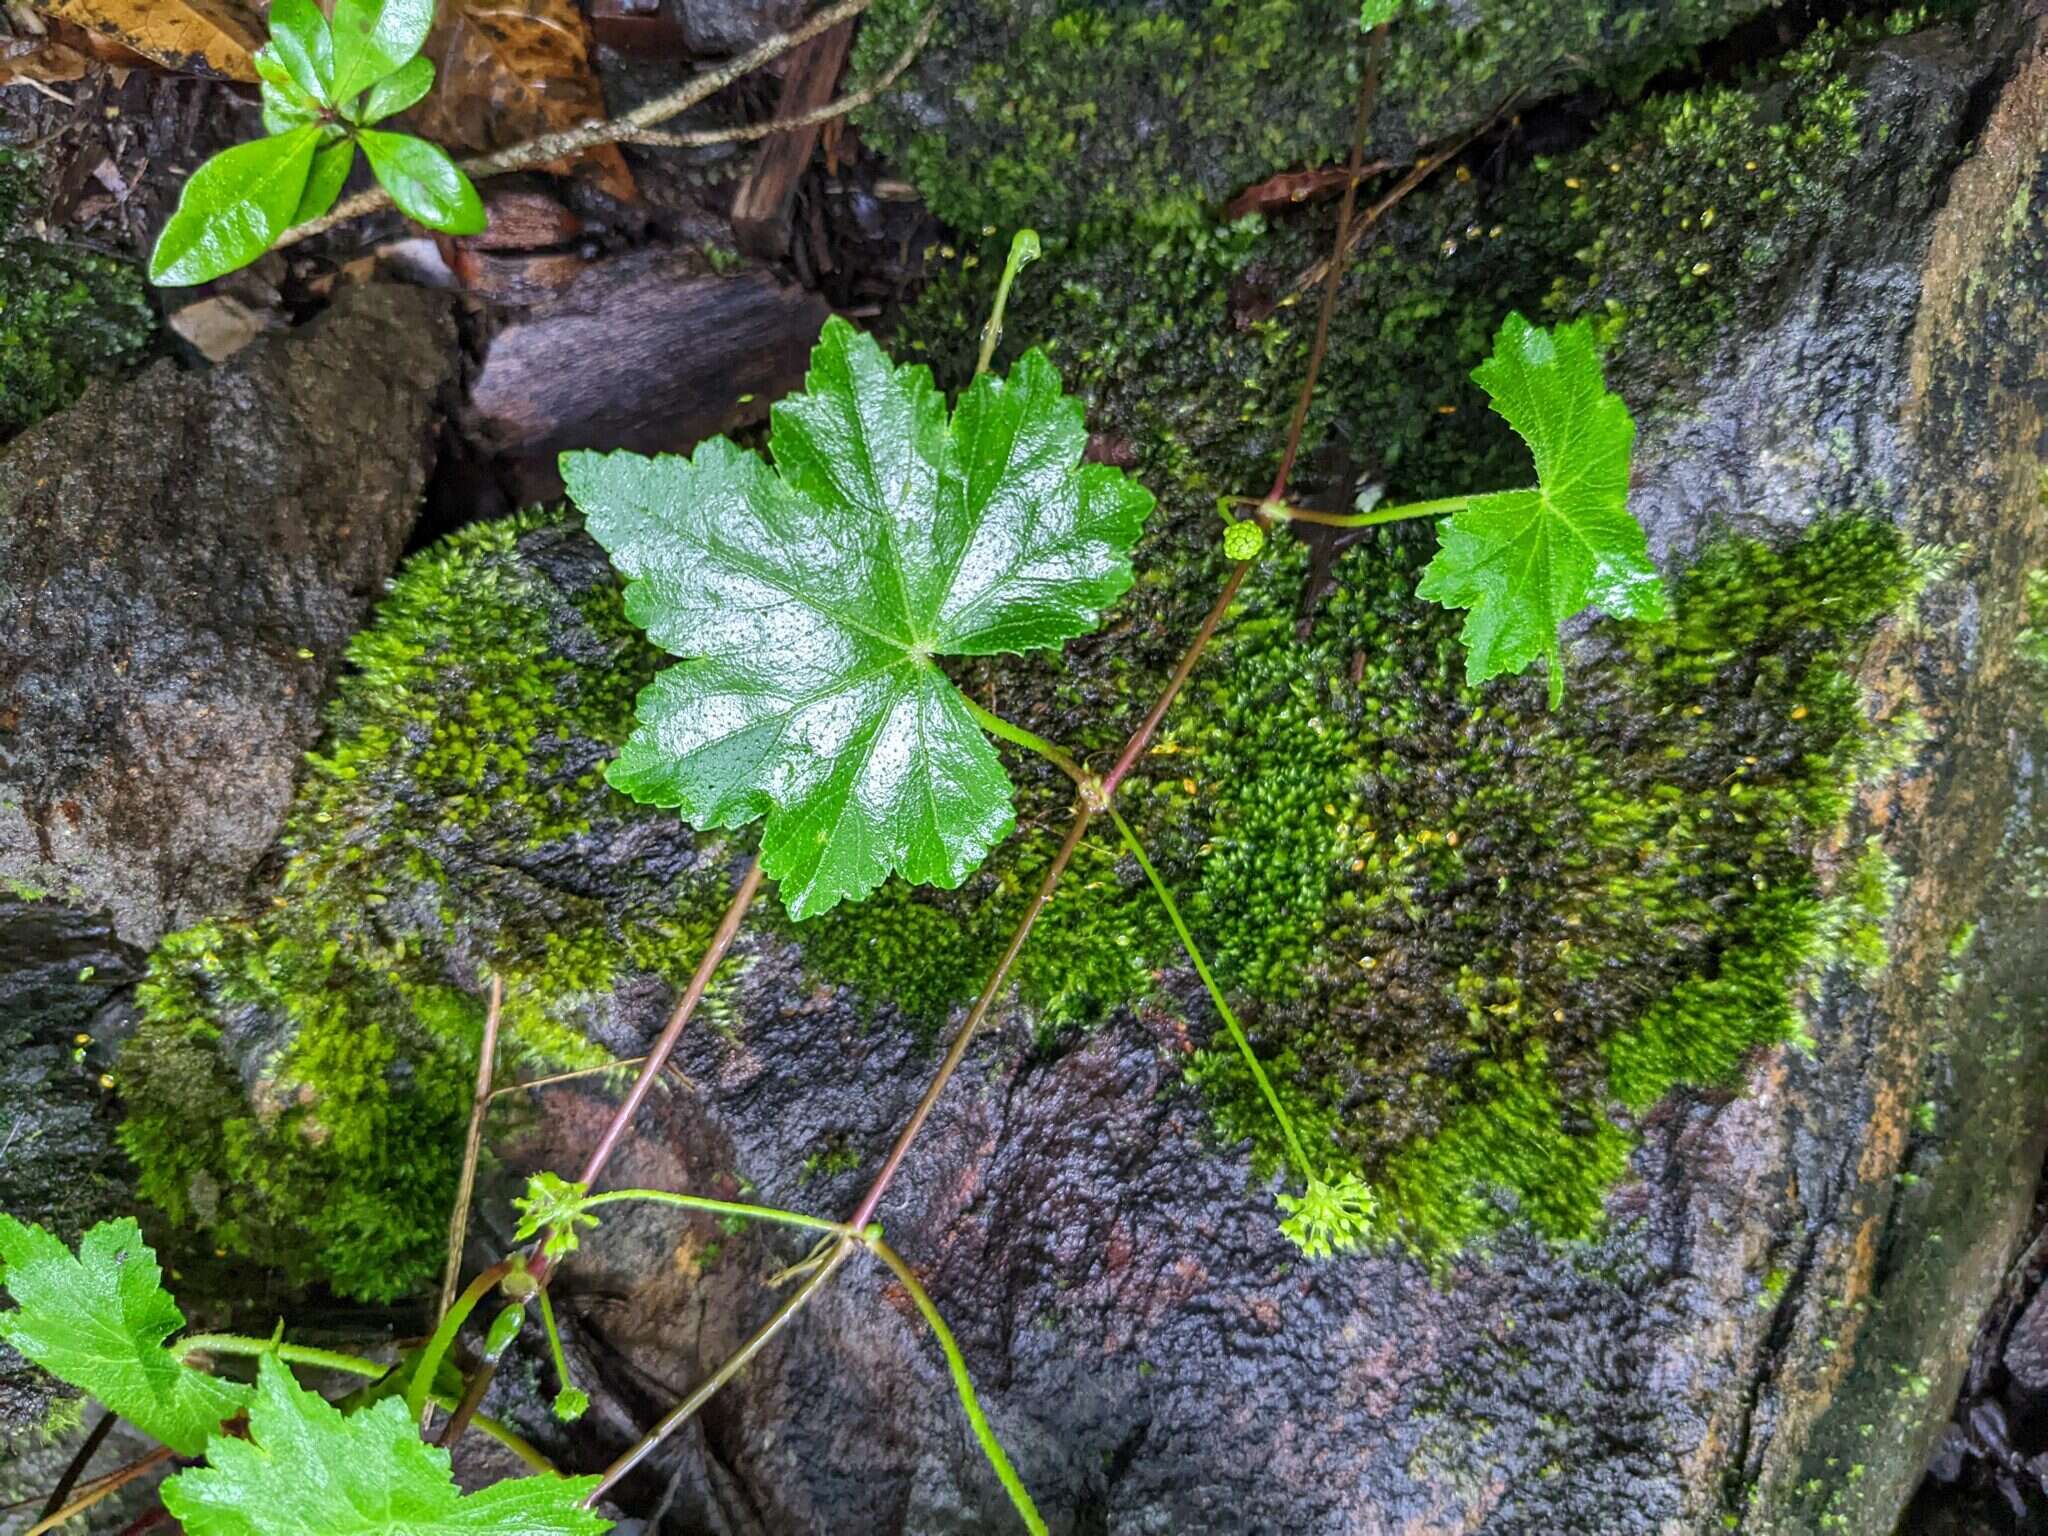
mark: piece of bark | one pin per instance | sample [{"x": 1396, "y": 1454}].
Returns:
[
  {"x": 648, "y": 352},
  {"x": 760, "y": 207}
]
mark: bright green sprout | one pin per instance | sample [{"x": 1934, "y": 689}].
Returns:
[
  {"x": 1244, "y": 540},
  {"x": 99, "y": 1320},
  {"x": 1329, "y": 1218},
  {"x": 504, "y": 1329},
  {"x": 555, "y": 1205},
  {"x": 1525, "y": 561},
  {"x": 1376, "y": 13},
  {"x": 324, "y": 86},
  {"x": 571, "y": 1403}
]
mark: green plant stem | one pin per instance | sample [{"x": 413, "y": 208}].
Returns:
[
  {"x": 1244, "y": 1045},
  {"x": 547, "y": 1323},
  {"x": 1031, "y": 741},
  {"x": 472, "y": 1147},
  {"x": 243, "y": 1345},
  {"x": 1023, "y": 249},
  {"x": 248, "y": 1346},
  {"x": 721, "y": 1208},
  {"x": 1281, "y": 512},
  {"x": 687, "y": 1409},
  {"x": 963, "y": 1384},
  {"x": 419, "y": 1391},
  {"x": 1368, "y": 91}
]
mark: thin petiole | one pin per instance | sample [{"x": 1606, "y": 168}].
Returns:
[
  {"x": 1244, "y": 1045},
  {"x": 244, "y": 1345},
  {"x": 1281, "y": 512},
  {"x": 1023, "y": 249},
  {"x": 956, "y": 1362},
  {"x": 238, "y": 1344},
  {"x": 419, "y": 1391},
  {"x": 1031, "y": 741},
  {"x": 721, "y": 1208}
]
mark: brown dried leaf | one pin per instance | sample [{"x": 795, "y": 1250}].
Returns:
[
  {"x": 39, "y": 60},
  {"x": 511, "y": 70},
  {"x": 1290, "y": 187},
  {"x": 208, "y": 37}
]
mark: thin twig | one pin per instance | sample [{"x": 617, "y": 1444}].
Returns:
[
  {"x": 1141, "y": 738},
  {"x": 1368, "y": 92},
  {"x": 567, "y": 1077},
  {"x": 687, "y": 1409},
  {"x": 865, "y": 1213},
  {"x": 472, "y": 1147},
  {"x": 112, "y": 1483},
  {"x": 1421, "y": 172},
  {"x": 538, "y": 1265},
  {"x": 93, "y": 1441},
  {"x": 584, "y": 136},
  {"x": 746, "y": 133}
]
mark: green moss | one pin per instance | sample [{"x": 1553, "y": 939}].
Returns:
[
  {"x": 1096, "y": 117},
  {"x": 66, "y": 315},
  {"x": 1479, "y": 931},
  {"x": 1672, "y": 218},
  {"x": 299, "y": 1081}
]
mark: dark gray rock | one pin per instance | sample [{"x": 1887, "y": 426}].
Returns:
[
  {"x": 182, "y": 560},
  {"x": 1771, "y": 1333}
]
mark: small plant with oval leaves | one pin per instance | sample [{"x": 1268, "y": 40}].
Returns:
[{"x": 325, "y": 88}]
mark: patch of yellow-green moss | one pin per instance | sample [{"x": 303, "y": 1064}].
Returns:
[
  {"x": 1083, "y": 117},
  {"x": 299, "y": 1080},
  {"x": 67, "y": 314},
  {"x": 1471, "y": 933}
]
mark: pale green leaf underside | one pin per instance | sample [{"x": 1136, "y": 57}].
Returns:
[
  {"x": 307, "y": 1469},
  {"x": 99, "y": 1321},
  {"x": 811, "y": 598},
  {"x": 1525, "y": 561}
]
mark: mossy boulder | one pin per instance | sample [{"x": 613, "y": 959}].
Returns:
[
  {"x": 1095, "y": 117},
  {"x": 1727, "y": 861}
]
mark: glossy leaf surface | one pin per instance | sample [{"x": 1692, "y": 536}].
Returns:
[
  {"x": 424, "y": 183},
  {"x": 811, "y": 601},
  {"x": 233, "y": 207},
  {"x": 307, "y": 1469}
]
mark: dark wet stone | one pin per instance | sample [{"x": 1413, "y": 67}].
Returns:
[
  {"x": 184, "y": 558},
  {"x": 1773, "y": 1328}
]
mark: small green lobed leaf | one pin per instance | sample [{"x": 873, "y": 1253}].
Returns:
[
  {"x": 424, "y": 183},
  {"x": 233, "y": 207},
  {"x": 99, "y": 1321},
  {"x": 307, "y": 1469},
  {"x": 1525, "y": 561},
  {"x": 811, "y": 599},
  {"x": 374, "y": 39}
]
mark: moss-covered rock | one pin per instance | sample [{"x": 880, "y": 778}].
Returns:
[
  {"x": 1474, "y": 936},
  {"x": 1078, "y": 117},
  {"x": 66, "y": 315}
]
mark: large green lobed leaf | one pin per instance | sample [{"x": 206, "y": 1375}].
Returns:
[
  {"x": 1525, "y": 561},
  {"x": 99, "y": 1321},
  {"x": 810, "y": 601}
]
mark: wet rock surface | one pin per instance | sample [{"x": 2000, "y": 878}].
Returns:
[
  {"x": 1771, "y": 1332},
  {"x": 183, "y": 558}
]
